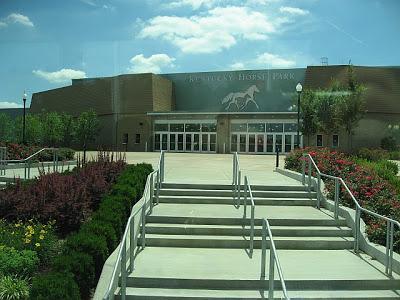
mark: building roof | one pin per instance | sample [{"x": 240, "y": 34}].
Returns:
[{"x": 382, "y": 84}]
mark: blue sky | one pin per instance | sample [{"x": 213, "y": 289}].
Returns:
[{"x": 46, "y": 43}]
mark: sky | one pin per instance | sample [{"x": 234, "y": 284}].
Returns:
[{"x": 46, "y": 43}]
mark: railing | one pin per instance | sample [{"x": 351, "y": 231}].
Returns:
[
  {"x": 273, "y": 260},
  {"x": 236, "y": 179},
  {"x": 247, "y": 190},
  {"x": 135, "y": 225},
  {"x": 3, "y": 160},
  {"x": 28, "y": 161},
  {"x": 339, "y": 181}
]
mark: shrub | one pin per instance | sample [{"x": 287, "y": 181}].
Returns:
[
  {"x": 373, "y": 154},
  {"x": 29, "y": 236},
  {"x": 19, "y": 151},
  {"x": 395, "y": 155},
  {"x": 104, "y": 229},
  {"x": 66, "y": 198},
  {"x": 389, "y": 143},
  {"x": 14, "y": 262},
  {"x": 13, "y": 288},
  {"x": 92, "y": 244},
  {"x": 53, "y": 286},
  {"x": 79, "y": 264}
]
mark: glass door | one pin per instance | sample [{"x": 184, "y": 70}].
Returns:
[
  {"x": 270, "y": 143},
  {"x": 180, "y": 141},
  {"x": 188, "y": 142},
  {"x": 278, "y": 142},
  {"x": 288, "y": 142},
  {"x": 260, "y": 143},
  {"x": 234, "y": 142},
  {"x": 157, "y": 142},
  {"x": 242, "y": 143},
  {"x": 213, "y": 142},
  {"x": 172, "y": 141},
  {"x": 252, "y": 143},
  {"x": 196, "y": 142},
  {"x": 205, "y": 143}
]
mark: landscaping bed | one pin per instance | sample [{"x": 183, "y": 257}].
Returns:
[
  {"x": 373, "y": 183},
  {"x": 57, "y": 231}
]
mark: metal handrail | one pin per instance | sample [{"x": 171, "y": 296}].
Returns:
[
  {"x": 338, "y": 180},
  {"x": 236, "y": 179},
  {"x": 3, "y": 160},
  {"x": 153, "y": 182},
  {"x": 247, "y": 189},
  {"x": 273, "y": 259},
  {"x": 27, "y": 161}
]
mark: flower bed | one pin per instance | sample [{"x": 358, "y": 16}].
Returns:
[
  {"x": 19, "y": 151},
  {"x": 371, "y": 191}
]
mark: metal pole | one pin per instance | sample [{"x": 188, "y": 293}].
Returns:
[
  {"x": 151, "y": 193},
  {"x": 158, "y": 186},
  {"x": 298, "y": 120},
  {"x": 271, "y": 271},
  {"x": 123, "y": 271},
  {"x": 245, "y": 197},
  {"x": 303, "y": 171},
  {"x": 143, "y": 224},
  {"x": 357, "y": 220},
  {"x": 252, "y": 232},
  {"x": 239, "y": 187},
  {"x": 132, "y": 244},
  {"x": 319, "y": 192},
  {"x": 277, "y": 157},
  {"x": 387, "y": 247},
  {"x": 24, "y": 121},
  {"x": 391, "y": 248},
  {"x": 337, "y": 190},
  {"x": 309, "y": 174},
  {"x": 263, "y": 249}
]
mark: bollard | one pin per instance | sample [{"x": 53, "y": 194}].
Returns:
[{"x": 277, "y": 156}]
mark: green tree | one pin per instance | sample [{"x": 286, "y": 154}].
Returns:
[
  {"x": 51, "y": 129},
  {"x": 6, "y": 127},
  {"x": 86, "y": 130},
  {"x": 33, "y": 130},
  {"x": 351, "y": 108},
  {"x": 67, "y": 129},
  {"x": 327, "y": 110},
  {"x": 308, "y": 104}
]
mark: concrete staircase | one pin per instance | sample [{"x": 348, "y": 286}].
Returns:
[{"x": 197, "y": 248}]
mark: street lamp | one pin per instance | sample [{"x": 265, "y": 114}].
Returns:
[
  {"x": 299, "y": 89},
  {"x": 23, "y": 127}
]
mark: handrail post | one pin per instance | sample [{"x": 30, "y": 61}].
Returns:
[
  {"x": 245, "y": 197},
  {"x": 239, "y": 187},
  {"x": 144, "y": 224},
  {"x": 263, "y": 248},
  {"x": 271, "y": 271},
  {"x": 309, "y": 174},
  {"x": 387, "y": 247},
  {"x": 357, "y": 228},
  {"x": 303, "y": 171},
  {"x": 132, "y": 245},
  {"x": 54, "y": 160},
  {"x": 29, "y": 169},
  {"x": 233, "y": 168},
  {"x": 391, "y": 248},
  {"x": 123, "y": 271},
  {"x": 151, "y": 193},
  {"x": 337, "y": 191},
  {"x": 252, "y": 231},
  {"x": 158, "y": 186},
  {"x": 319, "y": 191}
]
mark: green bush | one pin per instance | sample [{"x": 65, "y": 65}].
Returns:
[
  {"x": 55, "y": 285},
  {"x": 102, "y": 229},
  {"x": 13, "y": 288},
  {"x": 79, "y": 264},
  {"x": 389, "y": 143},
  {"x": 14, "y": 262},
  {"x": 92, "y": 244},
  {"x": 373, "y": 154},
  {"x": 394, "y": 155}
]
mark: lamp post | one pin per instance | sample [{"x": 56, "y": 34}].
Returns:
[
  {"x": 299, "y": 89},
  {"x": 24, "y": 122}
]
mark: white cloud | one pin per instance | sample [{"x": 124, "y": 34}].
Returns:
[
  {"x": 3, "y": 24},
  {"x": 294, "y": 10},
  {"x": 151, "y": 64},
  {"x": 5, "y": 104},
  {"x": 20, "y": 19},
  {"x": 61, "y": 76},
  {"x": 264, "y": 60},
  {"x": 195, "y": 4},
  {"x": 220, "y": 28}
]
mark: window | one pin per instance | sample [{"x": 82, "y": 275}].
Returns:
[
  {"x": 160, "y": 127},
  {"x": 176, "y": 127},
  {"x": 137, "y": 138},
  {"x": 290, "y": 127},
  {"x": 125, "y": 139},
  {"x": 275, "y": 127},
  {"x": 239, "y": 127},
  {"x": 192, "y": 127},
  {"x": 335, "y": 141},
  {"x": 208, "y": 127},
  {"x": 256, "y": 127},
  {"x": 319, "y": 140}
]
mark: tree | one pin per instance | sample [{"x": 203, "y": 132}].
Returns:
[
  {"x": 6, "y": 127},
  {"x": 33, "y": 129},
  {"x": 352, "y": 106},
  {"x": 86, "y": 130},
  {"x": 309, "y": 124},
  {"x": 51, "y": 128},
  {"x": 67, "y": 129},
  {"x": 327, "y": 109}
]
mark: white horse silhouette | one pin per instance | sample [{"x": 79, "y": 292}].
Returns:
[{"x": 247, "y": 96}]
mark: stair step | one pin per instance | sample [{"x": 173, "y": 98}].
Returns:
[
  {"x": 227, "y": 193},
  {"x": 196, "y": 294},
  {"x": 229, "y": 187},
  {"x": 230, "y": 201},
  {"x": 235, "y": 230},
  {"x": 243, "y": 284},
  {"x": 213, "y": 241},
  {"x": 240, "y": 221}
]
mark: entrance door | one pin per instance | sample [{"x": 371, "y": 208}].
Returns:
[
  {"x": 252, "y": 143},
  {"x": 270, "y": 143},
  {"x": 278, "y": 142},
  {"x": 242, "y": 143},
  {"x": 196, "y": 142},
  {"x": 213, "y": 142},
  {"x": 188, "y": 142},
  {"x": 260, "y": 143},
  {"x": 288, "y": 142},
  {"x": 180, "y": 141},
  {"x": 205, "y": 143},
  {"x": 172, "y": 142}
]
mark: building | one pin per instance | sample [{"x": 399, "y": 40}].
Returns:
[{"x": 219, "y": 112}]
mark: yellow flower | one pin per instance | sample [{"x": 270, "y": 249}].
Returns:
[
  {"x": 27, "y": 241},
  {"x": 17, "y": 225},
  {"x": 42, "y": 231},
  {"x": 37, "y": 244},
  {"x": 41, "y": 237}
]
